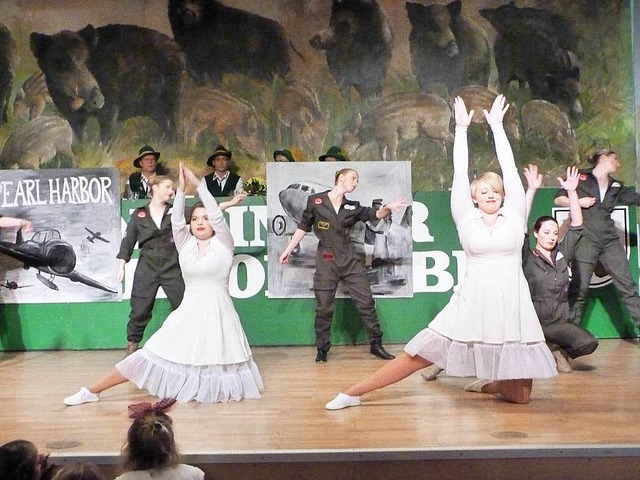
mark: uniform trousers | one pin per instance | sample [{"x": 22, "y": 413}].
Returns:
[
  {"x": 325, "y": 283},
  {"x": 613, "y": 258},
  {"x": 145, "y": 287}
]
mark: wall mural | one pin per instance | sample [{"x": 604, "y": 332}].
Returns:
[{"x": 86, "y": 84}]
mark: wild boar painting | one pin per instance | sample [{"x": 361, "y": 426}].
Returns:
[{"x": 85, "y": 85}]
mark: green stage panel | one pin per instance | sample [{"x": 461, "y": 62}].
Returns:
[{"x": 290, "y": 321}]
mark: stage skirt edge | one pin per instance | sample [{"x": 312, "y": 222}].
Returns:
[
  {"x": 202, "y": 383},
  {"x": 507, "y": 361}
]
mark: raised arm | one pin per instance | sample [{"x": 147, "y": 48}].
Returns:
[
  {"x": 534, "y": 182},
  {"x": 513, "y": 189},
  {"x": 461, "y": 201},
  {"x": 570, "y": 185},
  {"x": 178, "y": 223},
  {"x": 214, "y": 212}
]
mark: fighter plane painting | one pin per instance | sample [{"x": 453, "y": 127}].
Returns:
[
  {"x": 95, "y": 236},
  {"x": 72, "y": 259},
  {"x": 386, "y": 247},
  {"x": 51, "y": 256}
]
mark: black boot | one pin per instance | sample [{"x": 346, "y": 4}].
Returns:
[
  {"x": 321, "y": 355},
  {"x": 378, "y": 350}
]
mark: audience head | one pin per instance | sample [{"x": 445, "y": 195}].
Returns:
[
  {"x": 334, "y": 154},
  {"x": 147, "y": 159},
  {"x": 78, "y": 471},
  {"x": 220, "y": 159},
  {"x": 19, "y": 460},
  {"x": 150, "y": 441},
  {"x": 283, "y": 155}
]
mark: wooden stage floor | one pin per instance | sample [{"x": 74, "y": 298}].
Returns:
[{"x": 591, "y": 414}]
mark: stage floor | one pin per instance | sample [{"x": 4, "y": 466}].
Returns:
[{"x": 593, "y": 412}]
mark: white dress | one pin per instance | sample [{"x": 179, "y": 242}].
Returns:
[
  {"x": 180, "y": 472},
  {"x": 200, "y": 352},
  {"x": 489, "y": 328}
]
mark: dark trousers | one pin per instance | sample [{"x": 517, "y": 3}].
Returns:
[
  {"x": 325, "y": 284},
  {"x": 613, "y": 258},
  {"x": 572, "y": 338},
  {"x": 142, "y": 305}
]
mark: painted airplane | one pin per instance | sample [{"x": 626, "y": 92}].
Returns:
[
  {"x": 95, "y": 236},
  {"x": 294, "y": 198},
  {"x": 11, "y": 285},
  {"x": 51, "y": 256}
]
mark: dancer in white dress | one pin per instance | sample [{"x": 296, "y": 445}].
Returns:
[
  {"x": 201, "y": 352},
  {"x": 489, "y": 328}
]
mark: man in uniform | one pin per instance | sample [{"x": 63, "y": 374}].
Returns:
[{"x": 331, "y": 217}]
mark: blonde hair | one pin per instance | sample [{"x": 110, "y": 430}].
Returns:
[
  {"x": 343, "y": 171},
  {"x": 157, "y": 180},
  {"x": 492, "y": 179}
]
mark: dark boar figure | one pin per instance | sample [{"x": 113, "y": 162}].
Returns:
[
  {"x": 446, "y": 47},
  {"x": 218, "y": 39},
  {"x": 544, "y": 122},
  {"x": 32, "y": 98},
  {"x": 112, "y": 72},
  {"x": 37, "y": 142},
  {"x": 531, "y": 52},
  {"x": 511, "y": 18},
  {"x": 298, "y": 113},
  {"x": 8, "y": 65},
  {"x": 358, "y": 43},
  {"x": 400, "y": 116},
  {"x": 208, "y": 108}
]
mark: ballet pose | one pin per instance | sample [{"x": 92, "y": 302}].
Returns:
[
  {"x": 200, "y": 352},
  {"x": 489, "y": 329}
]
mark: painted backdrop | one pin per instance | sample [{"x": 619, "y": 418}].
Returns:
[{"x": 87, "y": 83}]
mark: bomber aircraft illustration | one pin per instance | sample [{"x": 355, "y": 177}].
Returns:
[
  {"x": 95, "y": 236},
  {"x": 51, "y": 256}
]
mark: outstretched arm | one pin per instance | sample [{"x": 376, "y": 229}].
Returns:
[
  {"x": 9, "y": 222},
  {"x": 461, "y": 201},
  {"x": 385, "y": 210}
]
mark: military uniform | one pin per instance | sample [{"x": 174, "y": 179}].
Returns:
[
  {"x": 601, "y": 243},
  {"x": 157, "y": 267},
  {"x": 549, "y": 283},
  {"x": 337, "y": 259},
  {"x": 227, "y": 189}
]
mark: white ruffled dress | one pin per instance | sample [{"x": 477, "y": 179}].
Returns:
[
  {"x": 489, "y": 329},
  {"x": 200, "y": 352}
]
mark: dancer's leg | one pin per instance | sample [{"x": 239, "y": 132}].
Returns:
[
  {"x": 111, "y": 379},
  {"x": 395, "y": 370},
  {"x": 515, "y": 391}
]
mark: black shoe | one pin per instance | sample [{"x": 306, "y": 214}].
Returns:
[
  {"x": 321, "y": 356},
  {"x": 378, "y": 350}
]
